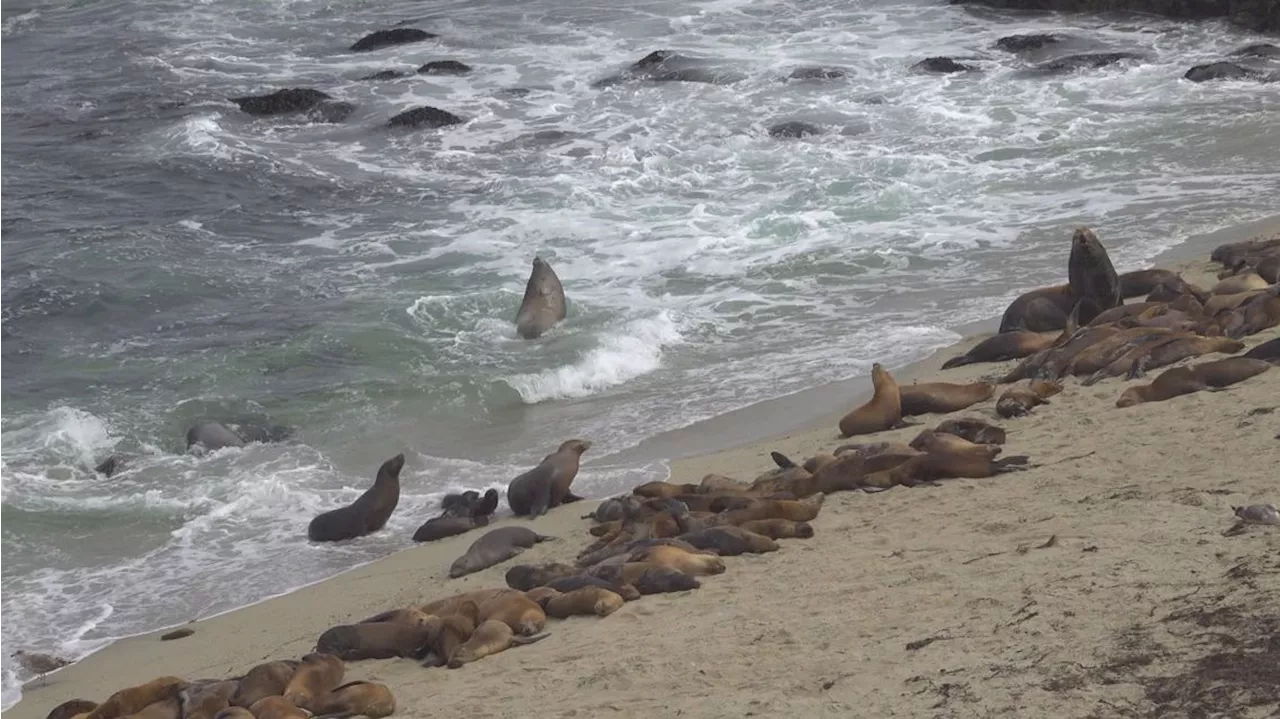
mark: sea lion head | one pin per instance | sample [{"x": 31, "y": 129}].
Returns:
[
  {"x": 1084, "y": 238},
  {"x": 392, "y": 466},
  {"x": 1129, "y": 398},
  {"x": 575, "y": 445}
]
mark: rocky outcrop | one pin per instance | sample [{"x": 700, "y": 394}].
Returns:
[
  {"x": 1086, "y": 61},
  {"x": 444, "y": 67},
  {"x": 1026, "y": 43},
  {"x": 389, "y": 38},
  {"x": 425, "y": 116},
  {"x": 668, "y": 66},
  {"x": 1262, "y": 49},
  {"x": 817, "y": 73},
  {"x": 1258, "y": 15},
  {"x": 330, "y": 111},
  {"x": 385, "y": 75},
  {"x": 1221, "y": 71},
  {"x": 794, "y": 128},
  {"x": 941, "y": 65},
  {"x": 281, "y": 102}
]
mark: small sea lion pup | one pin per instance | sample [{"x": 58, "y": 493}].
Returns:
[
  {"x": 317, "y": 675},
  {"x": 491, "y": 637},
  {"x": 587, "y": 601},
  {"x": 942, "y": 397},
  {"x": 883, "y": 411},
  {"x": 1011, "y": 345},
  {"x": 134, "y": 699},
  {"x": 547, "y": 485},
  {"x": 1018, "y": 401},
  {"x": 264, "y": 680},
  {"x": 1091, "y": 276},
  {"x": 543, "y": 305},
  {"x": 367, "y": 514},
  {"x": 356, "y": 699},
  {"x": 495, "y": 547},
  {"x": 973, "y": 429}
]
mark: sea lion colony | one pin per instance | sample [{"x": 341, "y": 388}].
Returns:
[{"x": 664, "y": 537}]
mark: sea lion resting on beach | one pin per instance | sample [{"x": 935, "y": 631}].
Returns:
[
  {"x": 942, "y": 397},
  {"x": 587, "y": 601},
  {"x": 368, "y": 513},
  {"x": 543, "y": 304},
  {"x": 883, "y": 411},
  {"x": 1014, "y": 344},
  {"x": 356, "y": 699},
  {"x": 779, "y": 528},
  {"x": 205, "y": 700},
  {"x": 547, "y": 485},
  {"x": 1187, "y": 380},
  {"x": 490, "y": 637},
  {"x": 1161, "y": 353},
  {"x": 495, "y": 547},
  {"x": 407, "y": 637},
  {"x": 134, "y": 699},
  {"x": 730, "y": 541},
  {"x": 264, "y": 680},
  {"x": 1143, "y": 282},
  {"x": 1018, "y": 401},
  {"x": 1261, "y": 312},
  {"x": 276, "y": 707},
  {"x": 317, "y": 674},
  {"x": 1235, "y": 284},
  {"x": 973, "y": 429},
  {"x": 72, "y": 708}
]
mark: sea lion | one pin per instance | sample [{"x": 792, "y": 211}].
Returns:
[
  {"x": 317, "y": 674},
  {"x": 663, "y": 490},
  {"x": 586, "y": 601},
  {"x": 1231, "y": 253},
  {"x": 543, "y": 304},
  {"x": 517, "y": 611},
  {"x": 264, "y": 680},
  {"x": 1115, "y": 314},
  {"x": 1136, "y": 362},
  {"x": 1174, "y": 288},
  {"x": 802, "y": 510},
  {"x": 1258, "y": 513},
  {"x": 275, "y": 707},
  {"x": 1041, "y": 310},
  {"x": 1217, "y": 304},
  {"x": 660, "y": 580},
  {"x": 447, "y": 526},
  {"x": 469, "y": 504},
  {"x": 719, "y": 484},
  {"x": 456, "y": 628},
  {"x": 730, "y": 541},
  {"x": 929, "y": 441},
  {"x": 170, "y": 708},
  {"x": 72, "y": 708},
  {"x": 1258, "y": 314},
  {"x": 547, "y": 485},
  {"x": 694, "y": 565},
  {"x": 1269, "y": 351},
  {"x": 1102, "y": 353},
  {"x": 367, "y": 514},
  {"x": 1236, "y": 284},
  {"x": 356, "y": 699},
  {"x": 942, "y": 397},
  {"x": 490, "y": 637},
  {"x": 973, "y": 429},
  {"x": 1018, "y": 401},
  {"x": 526, "y": 576},
  {"x": 456, "y": 603},
  {"x": 1143, "y": 282},
  {"x": 883, "y": 411},
  {"x": 779, "y": 528},
  {"x": 134, "y": 699},
  {"x": 1014, "y": 344},
  {"x": 204, "y": 701},
  {"x": 495, "y": 547},
  {"x": 1178, "y": 381},
  {"x": 542, "y": 595},
  {"x": 615, "y": 509},
  {"x": 1091, "y": 276},
  {"x": 565, "y": 585},
  {"x": 212, "y": 436},
  {"x": 402, "y": 615},
  {"x": 377, "y": 640},
  {"x": 933, "y": 466},
  {"x": 234, "y": 713}
]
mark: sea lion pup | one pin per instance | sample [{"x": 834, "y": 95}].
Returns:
[
  {"x": 695, "y": 565},
  {"x": 456, "y": 628},
  {"x": 317, "y": 674},
  {"x": 778, "y": 529},
  {"x": 72, "y": 708},
  {"x": 1091, "y": 276},
  {"x": 526, "y": 576},
  {"x": 1141, "y": 282},
  {"x": 490, "y": 637},
  {"x": 543, "y": 305},
  {"x": 730, "y": 541},
  {"x": 134, "y": 699},
  {"x": 663, "y": 490},
  {"x": 586, "y": 601},
  {"x": 264, "y": 680},
  {"x": 942, "y": 397},
  {"x": 1041, "y": 310},
  {"x": 973, "y": 429},
  {"x": 204, "y": 701},
  {"x": 367, "y": 514},
  {"x": 377, "y": 640},
  {"x": 1187, "y": 380},
  {"x": 1014, "y": 344},
  {"x": 1018, "y": 401},
  {"x": 1269, "y": 351},
  {"x": 547, "y": 485},
  {"x": 517, "y": 611},
  {"x": 234, "y": 713},
  {"x": 356, "y": 699},
  {"x": 1236, "y": 284},
  {"x": 447, "y": 526},
  {"x": 883, "y": 411},
  {"x": 495, "y": 547},
  {"x": 277, "y": 708}
]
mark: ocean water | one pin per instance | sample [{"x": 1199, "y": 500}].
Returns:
[{"x": 168, "y": 258}]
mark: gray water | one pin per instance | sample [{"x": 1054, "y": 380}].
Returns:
[{"x": 168, "y": 258}]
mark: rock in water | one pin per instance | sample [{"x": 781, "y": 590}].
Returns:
[
  {"x": 940, "y": 65},
  {"x": 444, "y": 67},
  {"x": 1023, "y": 43},
  {"x": 425, "y": 116},
  {"x": 1220, "y": 71},
  {"x": 1086, "y": 61},
  {"x": 1259, "y": 15},
  {"x": 817, "y": 73},
  {"x": 385, "y": 75},
  {"x": 668, "y": 66},
  {"x": 281, "y": 102},
  {"x": 1262, "y": 49},
  {"x": 794, "y": 128},
  {"x": 388, "y": 38},
  {"x": 330, "y": 112}
]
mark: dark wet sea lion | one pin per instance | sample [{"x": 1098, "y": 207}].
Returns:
[
  {"x": 490, "y": 637},
  {"x": 460, "y": 504},
  {"x": 1269, "y": 351},
  {"x": 779, "y": 528},
  {"x": 587, "y": 601},
  {"x": 356, "y": 699},
  {"x": 578, "y": 581},
  {"x": 730, "y": 541},
  {"x": 526, "y": 576},
  {"x": 942, "y": 397},
  {"x": 1014, "y": 344},
  {"x": 1187, "y": 380},
  {"x": 1041, "y": 310},
  {"x": 447, "y": 526},
  {"x": 134, "y": 699},
  {"x": 367, "y": 514},
  {"x": 204, "y": 701},
  {"x": 71, "y": 708},
  {"x": 376, "y": 640},
  {"x": 614, "y": 509},
  {"x": 660, "y": 580},
  {"x": 547, "y": 485},
  {"x": 264, "y": 680},
  {"x": 1091, "y": 276},
  {"x": 543, "y": 304},
  {"x": 317, "y": 674},
  {"x": 212, "y": 436},
  {"x": 495, "y": 547},
  {"x": 883, "y": 411},
  {"x": 668, "y": 66},
  {"x": 973, "y": 429},
  {"x": 276, "y": 707},
  {"x": 1142, "y": 282}
]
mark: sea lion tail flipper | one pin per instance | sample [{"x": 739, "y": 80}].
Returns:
[
  {"x": 1015, "y": 463},
  {"x": 519, "y": 641},
  {"x": 543, "y": 538},
  {"x": 873, "y": 490},
  {"x": 570, "y": 497},
  {"x": 782, "y": 460},
  {"x": 959, "y": 361},
  {"x": 901, "y": 423}
]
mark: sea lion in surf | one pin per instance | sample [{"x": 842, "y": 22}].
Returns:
[
  {"x": 1091, "y": 276},
  {"x": 495, "y": 547},
  {"x": 547, "y": 485},
  {"x": 587, "y": 601},
  {"x": 779, "y": 528},
  {"x": 543, "y": 304},
  {"x": 265, "y": 680},
  {"x": 1143, "y": 282},
  {"x": 1236, "y": 284},
  {"x": 1019, "y": 401},
  {"x": 72, "y": 708},
  {"x": 942, "y": 397},
  {"x": 730, "y": 541},
  {"x": 356, "y": 699},
  {"x": 212, "y": 436},
  {"x": 1040, "y": 310},
  {"x": 134, "y": 699},
  {"x": 1178, "y": 381},
  {"x": 317, "y": 674},
  {"x": 883, "y": 411},
  {"x": 470, "y": 504},
  {"x": 973, "y": 429},
  {"x": 367, "y": 514},
  {"x": 379, "y": 640},
  {"x": 276, "y": 707},
  {"x": 447, "y": 526},
  {"x": 1014, "y": 344},
  {"x": 490, "y": 637}
]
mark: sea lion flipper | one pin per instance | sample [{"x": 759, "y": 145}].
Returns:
[
  {"x": 542, "y": 538},
  {"x": 782, "y": 460},
  {"x": 570, "y": 497},
  {"x": 519, "y": 641}
]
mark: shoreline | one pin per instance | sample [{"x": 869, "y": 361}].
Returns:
[{"x": 796, "y": 423}]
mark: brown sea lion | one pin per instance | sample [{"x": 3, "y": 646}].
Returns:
[
  {"x": 490, "y": 637},
  {"x": 973, "y": 429},
  {"x": 264, "y": 680},
  {"x": 1142, "y": 282},
  {"x": 1091, "y": 276},
  {"x": 1014, "y": 344},
  {"x": 1104, "y": 352},
  {"x": 1231, "y": 253},
  {"x": 928, "y": 468},
  {"x": 654, "y": 579},
  {"x": 1269, "y": 269},
  {"x": 663, "y": 490},
  {"x": 456, "y": 628},
  {"x": 1258, "y": 314},
  {"x": 164, "y": 709},
  {"x": 356, "y": 699},
  {"x": 942, "y": 397},
  {"x": 719, "y": 484},
  {"x": 564, "y": 585},
  {"x": 1162, "y": 354},
  {"x": 275, "y": 707},
  {"x": 204, "y": 701},
  {"x": 377, "y": 640},
  {"x": 1178, "y": 381},
  {"x": 542, "y": 595},
  {"x": 495, "y": 547},
  {"x": 694, "y": 565},
  {"x": 317, "y": 674},
  {"x": 730, "y": 541},
  {"x": 1269, "y": 351},
  {"x": 1042, "y": 310},
  {"x": 547, "y": 485},
  {"x": 802, "y": 510},
  {"x": 779, "y": 528},
  {"x": 930, "y": 441},
  {"x": 72, "y": 708},
  {"x": 1236, "y": 284},
  {"x": 1175, "y": 288},
  {"x": 367, "y": 514},
  {"x": 883, "y": 411},
  {"x": 517, "y": 611},
  {"x": 453, "y": 604},
  {"x": 1115, "y": 314},
  {"x": 135, "y": 699},
  {"x": 1018, "y": 401},
  {"x": 1052, "y": 363},
  {"x": 402, "y": 615},
  {"x": 526, "y": 576},
  {"x": 586, "y": 601},
  {"x": 234, "y": 713},
  {"x": 543, "y": 305}
]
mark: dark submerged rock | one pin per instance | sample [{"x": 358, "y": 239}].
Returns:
[
  {"x": 1024, "y": 43},
  {"x": 281, "y": 102},
  {"x": 1262, "y": 49},
  {"x": 385, "y": 75},
  {"x": 330, "y": 112},
  {"x": 1220, "y": 71},
  {"x": 1086, "y": 61},
  {"x": 444, "y": 67},
  {"x": 794, "y": 128},
  {"x": 110, "y": 465},
  {"x": 1259, "y": 15},
  {"x": 425, "y": 116},
  {"x": 942, "y": 65},
  {"x": 817, "y": 73},
  {"x": 388, "y": 38}
]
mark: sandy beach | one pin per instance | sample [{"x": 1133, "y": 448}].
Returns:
[{"x": 1104, "y": 581}]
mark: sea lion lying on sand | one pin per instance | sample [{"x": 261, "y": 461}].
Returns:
[
  {"x": 495, "y": 547},
  {"x": 942, "y": 397},
  {"x": 1014, "y": 344},
  {"x": 1018, "y": 401},
  {"x": 1186, "y": 380}
]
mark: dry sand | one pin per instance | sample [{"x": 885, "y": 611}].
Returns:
[{"x": 1098, "y": 583}]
